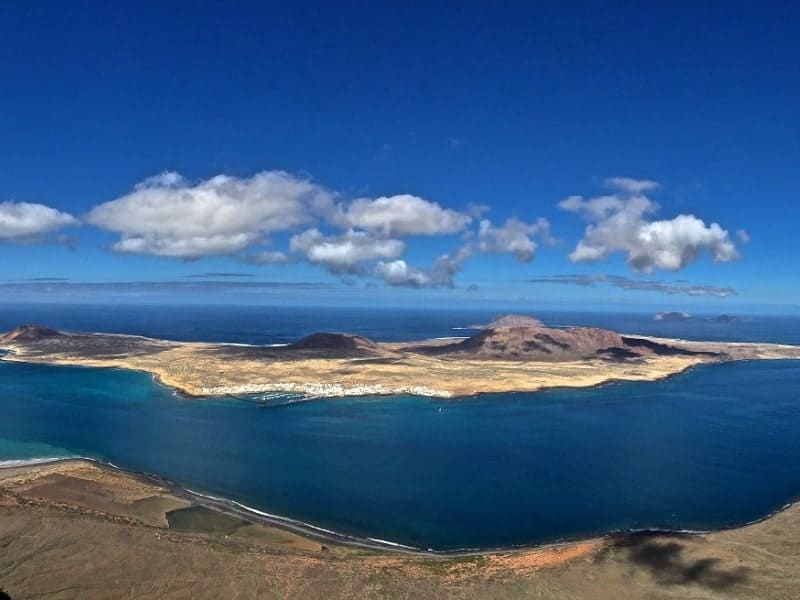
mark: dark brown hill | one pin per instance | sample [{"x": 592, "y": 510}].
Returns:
[
  {"x": 336, "y": 343},
  {"x": 29, "y": 333}
]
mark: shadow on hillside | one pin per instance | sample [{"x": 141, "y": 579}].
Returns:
[{"x": 668, "y": 564}]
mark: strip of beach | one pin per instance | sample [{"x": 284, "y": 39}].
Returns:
[
  {"x": 78, "y": 528},
  {"x": 496, "y": 360}
]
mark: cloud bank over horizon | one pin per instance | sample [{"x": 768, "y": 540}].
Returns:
[
  {"x": 244, "y": 218},
  {"x": 625, "y": 283},
  {"x": 168, "y": 216}
]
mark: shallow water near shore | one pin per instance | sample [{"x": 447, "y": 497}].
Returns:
[{"x": 717, "y": 446}]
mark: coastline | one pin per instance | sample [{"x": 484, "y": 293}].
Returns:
[
  {"x": 129, "y": 547},
  {"x": 523, "y": 377},
  {"x": 316, "y": 533},
  {"x": 331, "y": 365}
]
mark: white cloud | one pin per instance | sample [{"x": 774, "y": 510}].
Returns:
[
  {"x": 513, "y": 237},
  {"x": 163, "y": 179},
  {"x": 344, "y": 253},
  {"x": 619, "y": 223},
  {"x": 20, "y": 221},
  {"x": 630, "y": 185},
  {"x": 400, "y": 274},
  {"x": 401, "y": 215},
  {"x": 743, "y": 236},
  {"x": 166, "y": 216}
]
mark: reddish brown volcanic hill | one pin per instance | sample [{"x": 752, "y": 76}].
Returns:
[
  {"x": 537, "y": 343},
  {"x": 28, "y": 333},
  {"x": 541, "y": 343}
]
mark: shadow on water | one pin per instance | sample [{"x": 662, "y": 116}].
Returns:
[{"x": 667, "y": 562}]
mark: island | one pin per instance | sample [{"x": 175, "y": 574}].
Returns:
[
  {"x": 683, "y": 316},
  {"x": 514, "y": 354}
]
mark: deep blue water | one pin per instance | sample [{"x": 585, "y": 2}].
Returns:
[
  {"x": 273, "y": 325},
  {"x": 714, "y": 447}
]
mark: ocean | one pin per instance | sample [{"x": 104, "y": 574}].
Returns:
[
  {"x": 717, "y": 446},
  {"x": 283, "y": 324}
]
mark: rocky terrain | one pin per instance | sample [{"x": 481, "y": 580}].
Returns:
[
  {"x": 514, "y": 354},
  {"x": 510, "y": 337},
  {"x": 541, "y": 343}
]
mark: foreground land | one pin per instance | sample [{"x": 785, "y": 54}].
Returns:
[
  {"x": 513, "y": 354},
  {"x": 76, "y": 529}
]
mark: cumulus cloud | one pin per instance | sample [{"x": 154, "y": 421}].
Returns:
[
  {"x": 398, "y": 273},
  {"x": 21, "y": 221},
  {"x": 649, "y": 285},
  {"x": 619, "y": 222},
  {"x": 167, "y": 216},
  {"x": 344, "y": 253},
  {"x": 513, "y": 237},
  {"x": 401, "y": 215},
  {"x": 743, "y": 236}
]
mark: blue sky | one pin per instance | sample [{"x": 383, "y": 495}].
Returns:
[{"x": 393, "y": 131}]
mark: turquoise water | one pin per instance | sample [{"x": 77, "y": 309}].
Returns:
[{"x": 714, "y": 447}]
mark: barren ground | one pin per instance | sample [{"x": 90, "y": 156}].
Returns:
[
  {"x": 341, "y": 364},
  {"x": 78, "y": 530}
]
